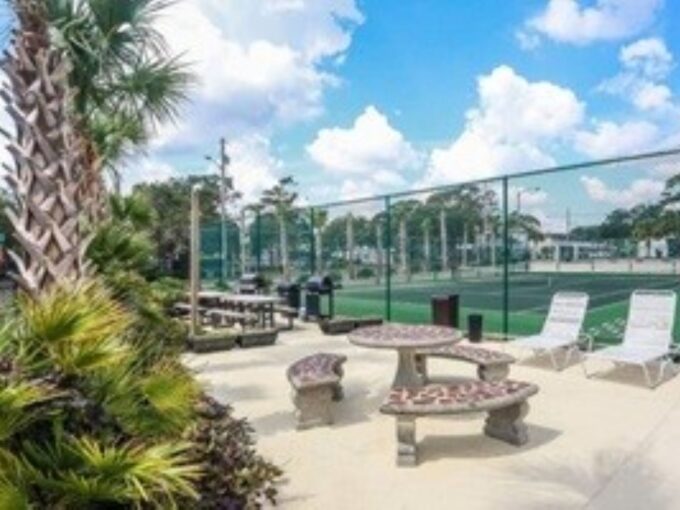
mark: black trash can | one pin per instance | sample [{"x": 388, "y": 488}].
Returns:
[
  {"x": 475, "y": 327},
  {"x": 290, "y": 292},
  {"x": 445, "y": 310}
]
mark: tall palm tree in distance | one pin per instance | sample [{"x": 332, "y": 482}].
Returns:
[{"x": 280, "y": 200}]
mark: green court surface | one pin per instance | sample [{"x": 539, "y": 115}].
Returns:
[{"x": 528, "y": 299}]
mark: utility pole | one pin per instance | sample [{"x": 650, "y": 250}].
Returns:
[{"x": 224, "y": 161}]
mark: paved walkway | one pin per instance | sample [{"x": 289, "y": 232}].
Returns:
[{"x": 604, "y": 443}]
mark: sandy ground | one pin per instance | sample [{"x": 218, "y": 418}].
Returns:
[{"x": 602, "y": 443}]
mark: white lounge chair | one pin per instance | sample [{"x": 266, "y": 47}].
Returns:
[
  {"x": 648, "y": 336},
  {"x": 561, "y": 329}
]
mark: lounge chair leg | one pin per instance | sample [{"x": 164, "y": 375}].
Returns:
[
  {"x": 407, "y": 449},
  {"x": 553, "y": 360},
  {"x": 648, "y": 378},
  {"x": 585, "y": 368}
]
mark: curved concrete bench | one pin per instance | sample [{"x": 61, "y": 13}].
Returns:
[
  {"x": 491, "y": 365},
  {"x": 316, "y": 383},
  {"x": 504, "y": 401}
]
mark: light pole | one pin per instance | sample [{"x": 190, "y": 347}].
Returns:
[
  {"x": 226, "y": 184},
  {"x": 520, "y": 192}
]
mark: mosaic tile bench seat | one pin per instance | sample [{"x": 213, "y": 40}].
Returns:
[
  {"x": 491, "y": 365},
  {"x": 316, "y": 384},
  {"x": 504, "y": 401}
]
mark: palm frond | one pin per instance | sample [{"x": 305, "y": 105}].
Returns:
[
  {"x": 77, "y": 329},
  {"x": 83, "y": 472}
]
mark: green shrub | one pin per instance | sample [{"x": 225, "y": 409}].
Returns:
[
  {"x": 366, "y": 273},
  {"x": 233, "y": 474}
]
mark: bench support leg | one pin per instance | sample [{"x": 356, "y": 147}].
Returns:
[
  {"x": 407, "y": 453},
  {"x": 507, "y": 424},
  {"x": 493, "y": 373},
  {"x": 313, "y": 406},
  {"x": 421, "y": 366}
]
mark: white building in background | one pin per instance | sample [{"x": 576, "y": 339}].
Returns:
[
  {"x": 654, "y": 249},
  {"x": 558, "y": 247}
]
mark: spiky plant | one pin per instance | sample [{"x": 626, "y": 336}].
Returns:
[
  {"x": 48, "y": 156},
  {"x": 83, "y": 423}
]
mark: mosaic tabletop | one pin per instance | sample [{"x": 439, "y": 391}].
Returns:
[{"x": 397, "y": 336}]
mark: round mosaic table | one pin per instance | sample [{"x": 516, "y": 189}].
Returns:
[{"x": 407, "y": 339}]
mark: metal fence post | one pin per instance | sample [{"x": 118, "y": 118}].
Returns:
[
  {"x": 258, "y": 242},
  {"x": 506, "y": 260},
  {"x": 312, "y": 241},
  {"x": 388, "y": 260}
]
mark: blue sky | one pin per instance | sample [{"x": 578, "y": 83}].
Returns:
[{"x": 357, "y": 97}]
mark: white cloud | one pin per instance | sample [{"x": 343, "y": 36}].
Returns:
[
  {"x": 611, "y": 139},
  {"x": 646, "y": 65},
  {"x": 509, "y": 130},
  {"x": 259, "y": 63},
  {"x": 569, "y": 21},
  {"x": 251, "y": 165},
  {"x": 370, "y": 145},
  {"x": 146, "y": 170},
  {"x": 639, "y": 191}
]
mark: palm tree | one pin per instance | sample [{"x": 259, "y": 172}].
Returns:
[
  {"x": 377, "y": 223},
  {"x": 349, "y": 221},
  {"x": 402, "y": 212},
  {"x": 320, "y": 222},
  {"x": 280, "y": 201},
  {"x": 441, "y": 201},
  {"x": 49, "y": 156},
  {"x": 426, "y": 225},
  {"x": 124, "y": 80}
]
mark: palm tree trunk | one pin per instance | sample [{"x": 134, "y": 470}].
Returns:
[
  {"x": 319, "y": 250},
  {"x": 243, "y": 243},
  {"x": 426, "y": 249},
  {"x": 350, "y": 247},
  {"x": 283, "y": 240},
  {"x": 465, "y": 246},
  {"x": 403, "y": 256},
  {"x": 49, "y": 158},
  {"x": 444, "y": 240},
  {"x": 379, "y": 254}
]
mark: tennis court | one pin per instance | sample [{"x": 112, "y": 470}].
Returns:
[{"x": 528, "y": 299}]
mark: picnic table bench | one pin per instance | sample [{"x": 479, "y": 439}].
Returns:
[
  {"x": 504, "y": 401},
  {"x": 316, "y": 384},
  {"x": 340, "y": 324},
  {"x": 220, "y": 316},
  {"x": 492, "y": 365}
]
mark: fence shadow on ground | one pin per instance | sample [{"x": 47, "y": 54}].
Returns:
[{"x": 595, "y": 485}]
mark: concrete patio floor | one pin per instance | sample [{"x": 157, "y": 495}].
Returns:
[{"x": 601, "y": 443}]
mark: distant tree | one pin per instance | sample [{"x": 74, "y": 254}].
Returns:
[
  {"x": 280, "y": 200},
  {"x": 171, "y": 202}
]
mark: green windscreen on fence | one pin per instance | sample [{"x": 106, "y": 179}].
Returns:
[{"x": 505, "y": 246}]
